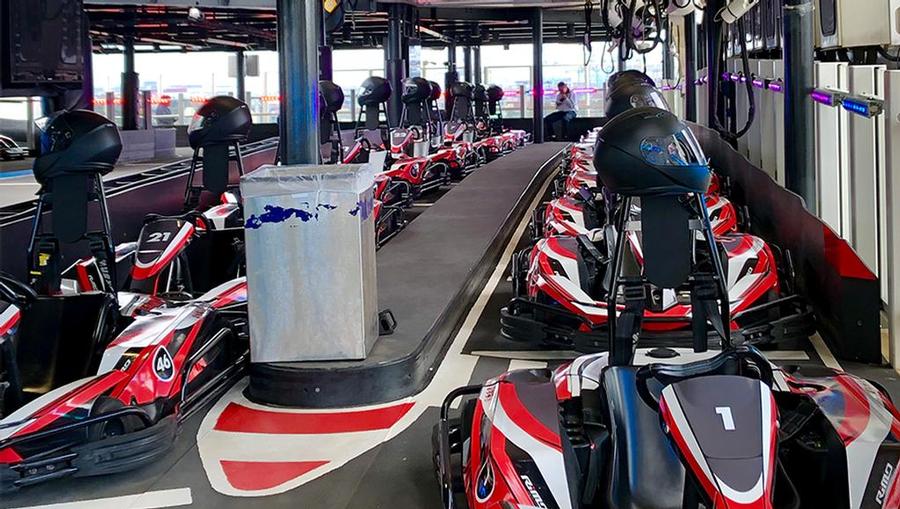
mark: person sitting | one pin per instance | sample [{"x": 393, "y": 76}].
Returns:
[{"x": 566, "y": 110}]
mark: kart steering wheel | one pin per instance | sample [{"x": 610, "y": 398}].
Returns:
[
  {"x": 16, "y": 291},
  {"x": 668, "y": 374},
  {"x": 416, "y": 132}
]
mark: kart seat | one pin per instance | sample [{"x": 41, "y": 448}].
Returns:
[
  {"x": 644, "y": 471},
  {"x": 64, "y": 335}
]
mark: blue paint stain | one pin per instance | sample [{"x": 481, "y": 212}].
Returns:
[{"x": 275, "y": 214}]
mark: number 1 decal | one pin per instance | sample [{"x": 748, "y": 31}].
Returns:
[{"x": 727, "y": 420}]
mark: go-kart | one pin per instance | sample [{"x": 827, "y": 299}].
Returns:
[
  {"x": 667, "y": 428},
  {"x": 79, "y": 408}
]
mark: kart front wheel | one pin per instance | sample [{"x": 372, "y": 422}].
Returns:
[{"x": 113, "y": 427}]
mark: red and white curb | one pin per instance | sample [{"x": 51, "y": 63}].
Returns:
[{"x": 250, "y": 450}]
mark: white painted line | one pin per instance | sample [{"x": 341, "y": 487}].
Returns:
[
  {"x": 148, "y": 500},
  {"x": 518, "y": 364},
  {"x": 823, "y": 351},
  {"x": 529, "y": 355},
  {"x": 787, "y": 355},
  {"x": 423, "y": 205}
]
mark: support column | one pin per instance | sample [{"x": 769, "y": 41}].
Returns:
[
  {"x": 799, "y": 138},
  {"x": 394, "y": 59},
  {"x": 240, "y": 74},
  {"x": 668, "y": 61},
  {"x": 298, "y": 55},
  {"x": 130, "y": 84},
  {"x": 690, "y": 68},
  {"x": 537, "y": 79},
  {"x": 712, "y": 65},
  {"x": 86, "y": 101},
  {"x": 326, "y": 67},
  {"x": 452, "y": 75},
  {"x": 476, "y": 63},
  {"x": 467, "y": 63}
]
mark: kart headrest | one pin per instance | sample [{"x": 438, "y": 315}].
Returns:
[
  {"x": 374, "y": 91},
  {"x": 221, "y": 120},
  {"x": 331, "y": 97},
  {"x": 462, "y": 89},
  {"x": 415, "y": 91}
]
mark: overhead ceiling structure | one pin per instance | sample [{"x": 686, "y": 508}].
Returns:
[{"x": 159, "y": 26}]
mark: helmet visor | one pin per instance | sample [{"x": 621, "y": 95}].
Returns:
[
  {"x": 653, "y": 99},
  {"x": 679, "y": 149}
]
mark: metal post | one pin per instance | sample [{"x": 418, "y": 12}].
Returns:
[
  {"x": 394, "y": 54},
  {"x": 297, "y": 54},
  {"x": 146, "y": 109},
  {"x": 111, "y": 106},
  {"x": 240, "y": 74},
  {"x": 690, "y": 68},
  {"x": 87, "y": 84},
  {"x": 799, "y": 113},
  {"x": 452, "y": 75},
  {"x": 467, "y": 63},
  {"x": 130, "y": 85},
  {"x": 521, "y": 101},
  {"x": 181, "y": 109},
  {"x": 353, "y": 104},
  {"x": 712, "y": 65},
  {"x": 326, "y": 68},
  {"x": 537, "y": 80},
  {"x": 476, "y": 63},
  {"x": 29, "y": 124},
  {"x": 668, "y": 61}
]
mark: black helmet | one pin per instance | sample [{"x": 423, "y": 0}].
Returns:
[
  {"x": 415, "y": 91},
  {"x": 436, "y": 90},
  {"x": 375, "y": 90},
  {"x": 221, "y": 119},
  {"x": 331, "y": 97},
  {"x": 480, "y": 94},
  {"x": 627, "y": 76},
  {"x": 633, "y": 95},
  {"x": 648, "y": 151},
  {"x": 462, "y": 89},
  {"x": 78, "y": 141},
  {"x": 494, "y": 93}
]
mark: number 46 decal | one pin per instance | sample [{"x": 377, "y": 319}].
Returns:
[{"x": 727, "y": 420}]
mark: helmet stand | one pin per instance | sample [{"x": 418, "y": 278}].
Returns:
[
  {"x": 216, "y": 164},
  {"x": 665, "y": 221}
]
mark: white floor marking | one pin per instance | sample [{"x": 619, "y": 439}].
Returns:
[
  {"x": 148, "y": 500},
  {"x": 518, "y": 364},
  {"x": 529, "y": 355},
  {"x": 422, "y": 204},
  {"x": 787, "y": 355},
  {"x": 337, "y": 449},
  {"x": 823, "y": 351}
]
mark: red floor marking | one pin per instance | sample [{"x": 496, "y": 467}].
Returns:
[
  {"x": 262, "y": 475},
  {"x": 241, "y": 419}
]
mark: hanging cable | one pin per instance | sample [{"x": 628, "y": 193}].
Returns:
[
  {"x": 715, "y": 77},
  {"x": 587, "y": 50}
]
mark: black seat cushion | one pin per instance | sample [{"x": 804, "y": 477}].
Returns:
[{"x": 645, "y": 472}]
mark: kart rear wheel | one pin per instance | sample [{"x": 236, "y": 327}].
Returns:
[{"x": 113, "y": 427}]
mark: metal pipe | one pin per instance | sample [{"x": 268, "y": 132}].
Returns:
[
  {"x": 130, "y": 85},
  {"x": 87, "y": 84},
  {"x": 690, "y": 68},
  {"x": 452, "y": 75},
  {"x": 240, "y": 72},
  {"x": 467, "y": 63},
  {"x": 537, "y": 81},
  {"x": 799, "y": 138},
  {"x": 712, "y": 65},
  {"x": 476, "y": 63},
  {"x": 298, "y": 64},
  {"x": 668, "y": 61},
  {"x": 394, "y": 59}
]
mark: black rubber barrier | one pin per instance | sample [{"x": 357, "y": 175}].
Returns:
[
  {"x": 843, "y": 291},
  {"x": 429, "y": 276}
]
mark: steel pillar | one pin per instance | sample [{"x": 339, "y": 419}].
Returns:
[
  {"x": 537, "y": 80},
  {"x": 326, "y": 67},
  {"x": 298, "y": 60},
  {"x": 467, "y": 63},
  {"x": 87, "y": 85},
  {"x": 240, "y": 73},
  {"x": 394, "y": 58},
  {"x": 690, "y": 68},
  {"x": 713, "y": 28},
  {"x": 130, "y": 84},
  {"x": 476, "y": 64},
  {"x": 799, "y": 112},
  {"x": 452, "y": 75}
]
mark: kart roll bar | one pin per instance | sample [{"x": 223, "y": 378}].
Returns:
[{"x": 443, "y": 459}]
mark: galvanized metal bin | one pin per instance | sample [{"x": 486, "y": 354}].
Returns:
[{"x": 310, "y": 240}]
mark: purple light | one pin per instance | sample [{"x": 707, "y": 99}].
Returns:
[
  {"x": 726, "y": 75},
  {"x": 735, "y": 77},
  {"x": 758, "y": 83},
  {"x": 776, "y": 86},
  {"x": 822, "y": 97}
]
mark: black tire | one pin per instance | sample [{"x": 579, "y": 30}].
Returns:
[{"x": 113, "y": 427}]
